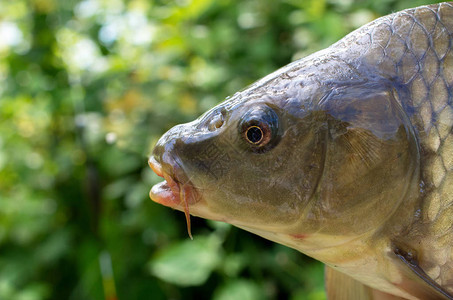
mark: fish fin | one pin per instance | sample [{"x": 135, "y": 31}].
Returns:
[
  {"x": 416, "y": 280},
  {"x": 340, "y": 286},
  {"x": 379, "y": 295}
]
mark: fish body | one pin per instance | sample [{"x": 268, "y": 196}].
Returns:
[{"x": 345, "y": 155}]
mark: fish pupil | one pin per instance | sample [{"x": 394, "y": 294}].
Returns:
[{"x": 254, "y": 134}]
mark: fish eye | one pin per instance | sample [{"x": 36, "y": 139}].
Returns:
[
  {"x": 258, "y": 135},
  {"x": 260, "y": 128},
  {"x": 254, "y": 134}
]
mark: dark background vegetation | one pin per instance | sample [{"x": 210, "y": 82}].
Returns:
[{"x": 87, "y": 87}]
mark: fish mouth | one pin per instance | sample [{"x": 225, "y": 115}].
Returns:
[{"x": 176, "y": 191}]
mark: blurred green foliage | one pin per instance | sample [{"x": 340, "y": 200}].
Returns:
[{"x": 87, "y": 89}]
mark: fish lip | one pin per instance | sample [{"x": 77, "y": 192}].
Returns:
[
  {"x": 176, "y": 189},
  {"x": 155, "y": 166}
]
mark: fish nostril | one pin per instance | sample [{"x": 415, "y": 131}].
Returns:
[{"x": 216, "y": 122}]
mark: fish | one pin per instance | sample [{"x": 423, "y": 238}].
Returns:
[{"x": 345, "y": 155}]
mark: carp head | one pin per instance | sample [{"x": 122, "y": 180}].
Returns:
[{"x": 310, "y": 156}]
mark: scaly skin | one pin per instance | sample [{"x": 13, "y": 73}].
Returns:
[
  {"x": 355, "y": 165},
  {"x": 413, "y": 49}
]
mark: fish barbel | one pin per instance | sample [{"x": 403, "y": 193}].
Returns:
[{"x": 345, "y": 155}]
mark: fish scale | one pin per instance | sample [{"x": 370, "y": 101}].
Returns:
[{"x": 425, "y": 70}]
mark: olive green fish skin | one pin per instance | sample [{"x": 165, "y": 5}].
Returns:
[
  {"x": 413, "y": 49},
  {"x": 358, "y": 164}
]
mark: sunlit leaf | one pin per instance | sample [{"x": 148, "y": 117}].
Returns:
[
  {"x": 239, "y": 289},
  {"x": 187, "y": 263}
]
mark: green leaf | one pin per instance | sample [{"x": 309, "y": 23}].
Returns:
[
  {"x": 187, "y": 263},
  {"x": 302, "y": 294},
  {"x": 239, "y": 289}
]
